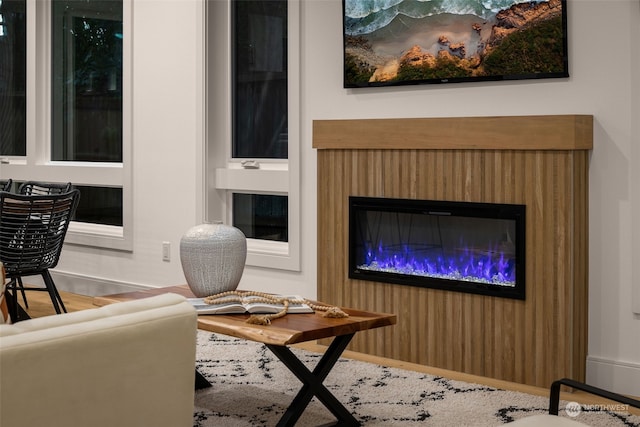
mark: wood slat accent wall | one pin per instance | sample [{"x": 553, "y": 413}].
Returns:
[{"x": 534, "y": 341}]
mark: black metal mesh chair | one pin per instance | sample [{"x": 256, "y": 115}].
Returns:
[
  {"x": 38, "y": 187},
  {"x": 32, "y": 231}
]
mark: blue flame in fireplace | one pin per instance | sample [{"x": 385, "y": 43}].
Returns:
[{"x": 488, "y": 265}]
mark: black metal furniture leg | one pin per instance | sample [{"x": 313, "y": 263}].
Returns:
[
  {"x": 12, "y": 302},
  {"x": 312, "y": 382},
  {"x": 24, "y": 295},
  {"x": 201, "y": 381},
  {"x": 53, "y": 292},
  {"x": 60, "y": 299},
  {"x": 16, "y": 313}
]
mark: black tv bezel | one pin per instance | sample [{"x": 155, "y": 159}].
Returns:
[
  {"x": 495, "y": 78},
  {"x": 442, "y": 207}
]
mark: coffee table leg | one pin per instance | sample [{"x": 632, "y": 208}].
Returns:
[{"x": 312, "y": 382}]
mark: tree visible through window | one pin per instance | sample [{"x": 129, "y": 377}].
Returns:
[
  {"x": 86, "y": 108},
  {"x": 87, "y": 81}
]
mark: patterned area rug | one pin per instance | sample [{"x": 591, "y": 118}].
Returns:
[{"x": 251, "y": 387}]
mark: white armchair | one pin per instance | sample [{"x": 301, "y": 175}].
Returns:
[{"x": 126, "y": 364}]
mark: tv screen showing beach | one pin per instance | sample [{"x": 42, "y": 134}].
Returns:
[{"x": 395, "y": 42}]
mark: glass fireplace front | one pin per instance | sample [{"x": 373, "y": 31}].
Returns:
[{"x": 458, "y": 246}]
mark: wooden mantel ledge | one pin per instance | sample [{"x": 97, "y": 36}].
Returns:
[{"x": 550, "y": 132}]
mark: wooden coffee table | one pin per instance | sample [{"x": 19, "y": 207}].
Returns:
[{"x": 287, "y": 330}]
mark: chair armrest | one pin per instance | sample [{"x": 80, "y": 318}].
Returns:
[{"x": 554, "y": 395}]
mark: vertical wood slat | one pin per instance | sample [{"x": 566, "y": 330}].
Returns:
[{"x": 533, "y": 341}]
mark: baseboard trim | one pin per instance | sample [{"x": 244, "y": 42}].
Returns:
[
  {"x": 92, "y": 286},
  {"x": 614, "y": 375}
]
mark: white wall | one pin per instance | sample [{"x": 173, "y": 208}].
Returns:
[{"x": 604, "y": 66}]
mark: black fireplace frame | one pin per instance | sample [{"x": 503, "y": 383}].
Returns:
[{"x": 442, "y": 208}]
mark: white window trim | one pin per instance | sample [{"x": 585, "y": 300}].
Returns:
[
  {"x": 36, "y": 166},
  {"x": 273, "y": 177}
]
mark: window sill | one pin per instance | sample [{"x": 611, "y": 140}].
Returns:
[
  {"x": 99, "y": 236},
  {"x": 269, "y": 254}
]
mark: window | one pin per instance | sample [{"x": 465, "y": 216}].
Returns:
[
  {"x": 261, "y": 216},
  {"x": 76, "y": 72},
  {"x": 13, "y": 77},
  {"x": 86, "y": 84},
  {"x": 259, "y": 90},
  {"x": 259, "y": 74},
  {"x": 255, "y": 149}
]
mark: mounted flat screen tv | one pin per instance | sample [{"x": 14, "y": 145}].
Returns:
[{"x": 401, "y": 42}]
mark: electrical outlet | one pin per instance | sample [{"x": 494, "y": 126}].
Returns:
[{"x": 166, "y": 251}]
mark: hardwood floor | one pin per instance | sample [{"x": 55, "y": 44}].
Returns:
[{"x": 40, "y": 305}]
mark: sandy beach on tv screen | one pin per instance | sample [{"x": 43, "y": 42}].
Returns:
[{"x": 404, "y": 33}]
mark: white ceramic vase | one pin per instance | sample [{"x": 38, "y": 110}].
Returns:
[{"x": 213, "y": 257}]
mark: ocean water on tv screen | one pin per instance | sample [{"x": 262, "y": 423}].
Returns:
[{"x": 367, "y": 16}]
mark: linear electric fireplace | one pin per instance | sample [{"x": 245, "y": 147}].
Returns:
[
  {"x": 541, "y": 162},
  {"x": 457, "y": 246}
]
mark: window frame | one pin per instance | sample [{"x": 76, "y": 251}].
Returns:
[
  {"x": 37, "y": 166},
  {"x": 280, "y": 177}
]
